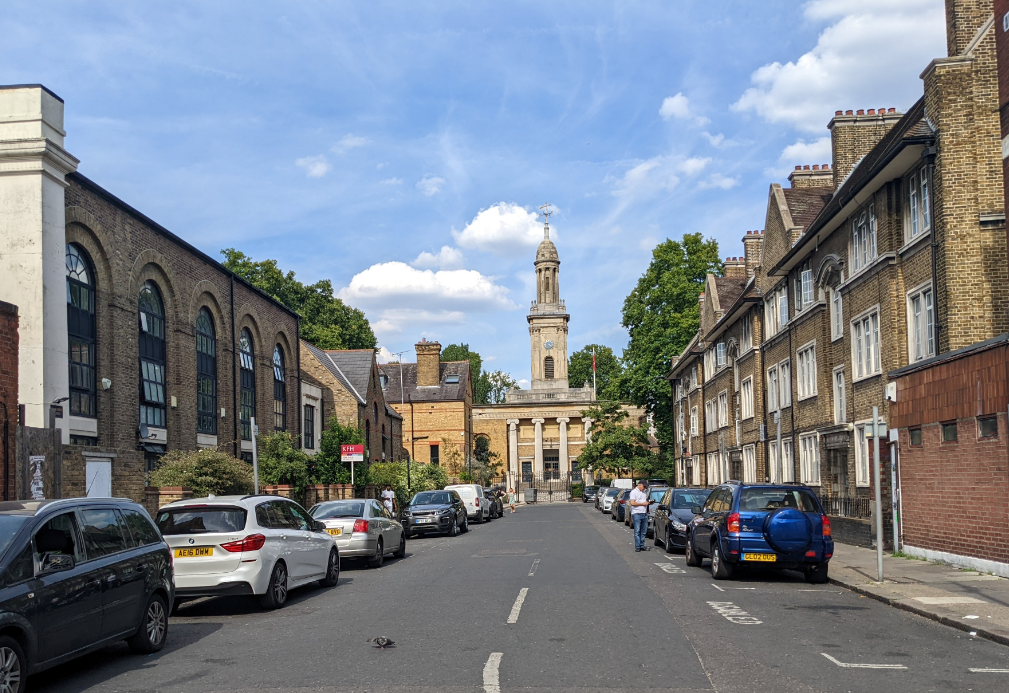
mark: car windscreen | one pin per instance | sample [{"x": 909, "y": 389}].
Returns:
[
  {"x": 201, "y": 520},
  {"x": 655, "y": 495},
  {"x": 10, "y": 525},
  {"x": 685, "y": 500},
  {"x": 330, "y": 511},
  {"x": 612, "y": 491},
  {"x": 432, "y": 498},
  {"x": 763, "y": 499}
]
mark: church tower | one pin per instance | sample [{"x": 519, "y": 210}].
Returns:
[{"x": 548, "y": 318}]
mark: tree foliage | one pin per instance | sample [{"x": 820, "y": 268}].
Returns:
[
  {"x": 661, "y": 315},
  {"x": 608, "y": 370},
  {"x": 282, "y": 461},
  {"x": 500, "y": 382},
  {"x": 486, "y": 462},
  {"x": 327, "y": 467},
  {"x": 326, "y": 321},
  {"x": 452, "y": 457},
  {"x": 206, "y": 471},
  {"x": 617, "y": 446}
]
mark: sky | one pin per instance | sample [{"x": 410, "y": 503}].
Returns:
[{"x": 402, "y": 149}]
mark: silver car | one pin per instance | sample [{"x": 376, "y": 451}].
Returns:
[
  {"x": 362, "y": 528},
  {"x": 607, "y": 499}
]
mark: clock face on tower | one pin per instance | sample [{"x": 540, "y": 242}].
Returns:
[{"x": 548, "y": 345}]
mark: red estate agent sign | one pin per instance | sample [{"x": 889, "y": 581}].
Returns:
[{"x": 352, "y": 453}]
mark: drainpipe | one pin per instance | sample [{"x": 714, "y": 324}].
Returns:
[
  {"x": 297, "y": 350},
  {"x": 235, "y": 385},
  {"x": 929, "y": 156}
]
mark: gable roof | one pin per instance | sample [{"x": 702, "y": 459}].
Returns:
[
  {"x": 332, "y": 367},
  {"x": 356, "y": 365},
  {"x": 805, "y": 203},
  {"x": 443, "y": 392},
  {"x": 729, "y": 289}
]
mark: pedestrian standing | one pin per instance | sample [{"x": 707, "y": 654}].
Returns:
[
  {"x": 511, "y": 499},
  {"x": 639, "y": 514},
  {"x": 389, "y": 499}
]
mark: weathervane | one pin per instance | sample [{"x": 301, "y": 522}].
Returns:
[{"x": 546, "y": 219}]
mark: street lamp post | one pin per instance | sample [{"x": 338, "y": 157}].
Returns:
[{"x": 402, "y": 411}]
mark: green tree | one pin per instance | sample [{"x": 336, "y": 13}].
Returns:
[
  {"x": 326, "y": 321},
  {"x": 486, "y": 462},
  {"x": 617, "y": 446},
  {"x": 661, "y": 315},
  {"x": 428, "y": 477},
  {"x": 327, "y": 466},
  {"x": 500, "y": 382},
  {"x": 481, "y": 383},
  {"x": 608, "y": 370},
  {"x": 282, "y": 461},
  {"x": 206, "y": 471}
]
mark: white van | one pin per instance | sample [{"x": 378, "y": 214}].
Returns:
[
  {"x": 477, "y": 507},
  {"x": 622, "y": 483}
]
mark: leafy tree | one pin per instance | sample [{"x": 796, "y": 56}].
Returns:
[
  {"x": 393, "y": 474},
  {"x": 500, "y": 382},
  {"x": 427, "y": 477},
  {"x": 327, "y": 467},
  {"x": 617, "y": 446},
  {"x": 608, "y": 370},
  {"x": 326, "y": 321},
  {"x": 661, "y": 315},
  {"x": 282, "y": 461},
  {"x": 452, "y": 457},
  {"x": 206, "y": 471},
  {"x": 486, "y": 462},
  {"x": 481, "y": 383}
]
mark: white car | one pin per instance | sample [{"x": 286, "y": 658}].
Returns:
[
  {"x": 478, "y": 508},
  {"x": 232, "y": 545}
]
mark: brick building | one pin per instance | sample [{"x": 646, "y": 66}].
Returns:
[
  {"x": 146, "y": 343},
  {"x": 8, "y": 394}
]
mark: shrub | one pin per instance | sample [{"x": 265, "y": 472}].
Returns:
[
  {"x": 427, "y": 477},
  {"x": 282, "y": 462},
  {"x": 206, "y": 471},
  {"x": 327, "y": 467},
  {"x": 577, "y": 490}
]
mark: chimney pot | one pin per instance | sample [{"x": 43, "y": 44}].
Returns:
[
  {"x": 872, "y": 111},
  {"x": 798, "y": 168},
  {"x": 838, "y": 113},
  {"x": 816, "y": 167},
  {"x": 860, "y": 112},
  {"x": 892, "y": 110},
  {"x": 806, "y": 167},
  {"x": 849, "y": 112}
]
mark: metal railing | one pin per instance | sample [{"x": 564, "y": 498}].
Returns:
[{"x": 846, "y": 507}]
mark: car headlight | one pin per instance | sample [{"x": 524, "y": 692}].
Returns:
[{"x": 679, "y": 526}]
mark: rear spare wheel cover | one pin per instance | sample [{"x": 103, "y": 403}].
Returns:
[{"x": 788, "y": 531}]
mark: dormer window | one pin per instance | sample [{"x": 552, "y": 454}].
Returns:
[
  {"x": 451, "y": 379},
  {"x": 383, "y": 381}
]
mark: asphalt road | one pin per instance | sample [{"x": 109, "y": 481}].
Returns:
[{"x": 588, "y": 614}]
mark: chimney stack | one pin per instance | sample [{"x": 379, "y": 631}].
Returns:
[
  {"x": 963, "y": 19},
  {"x": 735, "y": 267},
  {"x": 753, "y": 242},
  {"x": 428, "y": 363},
  {"x": 816, "y": 177},
  {"x": 852, "y": 135}
]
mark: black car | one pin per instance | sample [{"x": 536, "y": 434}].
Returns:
[
  {"x": 672, "y": 515},
  {"x": 589, "y": 494},
  {"x": 435, "y": 512},
  {"x": 496, "y": 505},
  {"x": 75, "y": 575}
]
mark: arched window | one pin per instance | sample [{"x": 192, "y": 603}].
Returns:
[
  {"x": 81, "y": 332},
  {"x": 384, "y": 441},
  {"x": 206, "y": 374},
  {"x": 247, "y": 378},
  {"x": 548, "y": 368},
  {"x": 151, "y": 314},
  {"x": 279, "y": 390}
]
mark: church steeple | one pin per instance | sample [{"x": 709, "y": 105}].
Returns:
[
  {"x": 548, "y": 318},
  {"x": 547, "y": 265}
]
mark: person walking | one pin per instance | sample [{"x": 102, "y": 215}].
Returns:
[
  {"x": 511, "y": 499},
  {"x": 639, "y": 514},
  {"x": 389, "y": 499}
]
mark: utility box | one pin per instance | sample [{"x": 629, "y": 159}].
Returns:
[{"x": 530, "y": 496}]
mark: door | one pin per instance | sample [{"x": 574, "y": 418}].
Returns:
[
  {"x": 392, "y": 532},
  {"x": 69, "y": 608},
  {"x": 662, "y": 516},
  {"x": 280, "y": 542},
  {"x": 711, "y": 511},
  {"x": 317, "y": 544},
  {"x": 105, "y": 541},
  {"x": 98, "y": 475}
]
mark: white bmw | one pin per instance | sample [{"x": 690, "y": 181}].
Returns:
[{"x": 255, "y": 545}]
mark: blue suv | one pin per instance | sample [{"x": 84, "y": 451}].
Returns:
[{"x": 781, "y": 526}]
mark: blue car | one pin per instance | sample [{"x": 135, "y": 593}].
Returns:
[{"x": 780, "y": 525}]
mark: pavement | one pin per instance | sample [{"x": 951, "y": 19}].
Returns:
[
  {"x": 964, "y": 599},
  {"x": 550, "y": 599}
]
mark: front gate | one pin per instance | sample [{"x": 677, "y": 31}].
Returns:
[{"x": 551, "y": 486}]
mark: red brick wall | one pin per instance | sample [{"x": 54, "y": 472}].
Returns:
[{"x": 8, "y": 393}]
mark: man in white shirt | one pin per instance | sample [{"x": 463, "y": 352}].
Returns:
[
  {"x": 389, "y": 499},
  {"x": 639, "y": 514}
]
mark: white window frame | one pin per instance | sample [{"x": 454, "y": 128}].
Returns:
[
  {"x": 693, "y": 377},
  {"x": 714, "y": 468},
  {"x": 836, "y": 314},
  {"x": 746, "y": 397},
  {"x": 920, "y": 323},
  {"x": 693, "y": 420},
  {"x": 773, "y": 467},
  {"x": 782, "y": 307},
  {"x": 809, "y": 459},
  {"x": 787, "y": 461},
  {"x": 863, "y": 469},
  {"x": 723, "y": 408},
  {"x": 785, "y": 384},
  {"x": 746, "y": 341},
  {"x": 863, "y": 249},
  {"x": 866, "y": 341},
  {"x": 696, "y": 470},
  {"x": 749, "y": 464},
  {"x": 720, "y": 354},
  {"x": 772, "y": 388},
  {"x": 840, "y": 395},
  {"x": 917, "y": 220},
  {"x": 806, "y": 356},
  {"x": 709, "y": 360}
]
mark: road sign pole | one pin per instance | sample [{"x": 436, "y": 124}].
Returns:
[
  {"x": 255, "y": 455},
  {"x": 879, "y": 502}
]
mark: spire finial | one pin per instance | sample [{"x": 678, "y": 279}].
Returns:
[{"x": 546, "y": 220}]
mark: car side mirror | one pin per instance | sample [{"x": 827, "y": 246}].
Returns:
[
  {"x": 696, "y": 509},
  {"x": 57, "y": 563},
  {"x": 320, "y": 526}
]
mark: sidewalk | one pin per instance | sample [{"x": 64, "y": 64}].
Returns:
[{"x": 968, "y": 600}]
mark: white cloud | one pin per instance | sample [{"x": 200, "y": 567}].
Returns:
[
  {"x": 803, "y": 152},
  {"x": 843, "y": 70},
  {"x": 386, "y": 356},
  {"x": 714, "y": 140},
  {"x": 717, "y": 180},
  {"x": 394, "y": 322},
  {"x": 657, "y": 175},
  {"x": 392, "y": 181},
  {"x": 315, "y": 166},
  {"x": 430, "y": 185},
  {"x": 504, "y": 228},
  {"x": 446, "y": 258},
  {"x": 523, "y": 383},
  {"x": 694, "y": 165},
  {"x": 678, "y": 107},
  {"x": 348, "y": 142}
]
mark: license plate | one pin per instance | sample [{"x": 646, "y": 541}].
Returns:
[
  {"x": 335, "y": 532},
  {"x": 194, "y": 552},
  {"x": 760, "y": 557},
  {"x": 424, "y": 520}
]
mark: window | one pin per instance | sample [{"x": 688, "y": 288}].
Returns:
[
  {"x": 746, "y": 397},
  {"x": 720, "y": 353},
  {"x": 710, "y": 422},
  {"x": 451, "y": 379},
  {"x": 723, "y": 408},
  {"x": 809, "y": 462},
  {"x": 81, "y": 332},
  {"x": 807, "y": 371},
  {"x": 865, "y": 345},
  {"x": 548, "y": 368},
  {"x": 714, "y": 469},
  {"x": 279, "y": 390},
  {"x": 309, "y": 426},
  {"x": 103, "y": 534},
  {"x": 863, "y": 239},
  {"x": 21, "y": 568},
  {"x": 696, "y": 470},
  {"x": 776, "y": 311},
  {"x": 836, "y": 314},
  {"x": 840, "y": 401},
  {"x": 782, "y": 307},
  {"x": 949, "y": 433},
  {"x": 773, "y": 464},
  {"x": 527, "y": 472},
  {"x": 747, "y": 336},
  {"x": 152, "y": 356},
  {"x": 693, "y": 421},
  {"x": 787, "y": 462},
  {"x": 749, "y": 465},
  {"x": 914, "y": 437},
  {"x": 921, "y": 328},
  {"x": 436, "y": 456},
  {"x": 247, "y": 377},
  {"x": 141, "y": 529},
  {"x": 693, "y": 377},
  {"x": 918, "y": 221},
  {"x": 772, "y": 388},
  {"x": 709, "y": 362},
  {"x": 785, "y": 383},
  {"x": 861, "y": 455},
  {"x": 987, "y": 427},
  {"x": 804, "y": 286},
  {"x": 206, "y": 374}
]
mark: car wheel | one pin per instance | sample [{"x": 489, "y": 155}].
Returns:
[
  {"x": 667, "y": 545},
  {"x": 465, "y": 525},
  {"x": 720, "y": 569},
  {"x": 13, "y": 666},
  {"x": 693, "y": 560},
  {"x": 150, "y": 636},
  {"x": 454, "y": 529},
  {"x": 817, "y": 574},
  {"x": 479, "y": 518},
  {"x": 276, "y": 591},
  {"x": 332, "y": 570},
  {"x": 378, "y": 559},
  {"x": 401, "y": 551}
]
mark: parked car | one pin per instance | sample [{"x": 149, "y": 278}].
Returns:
[
  {"x": 435, "y": 512},
  {"x": 606, "y": 499},
  {"x": 655, "y": 494},
  {"x": 496, "y": 506},
  {"x": 782, "y": 526},
  {"x": 477, "y": 506},
  {"x": 77, "y": 575},
  {"x": 619, "y": 505},
  {"x": 362, "y": 528},
  {"x": 247, "y": 545},
  {"x": 589, "y": 494},
  {"x": 672, "y": 515}
]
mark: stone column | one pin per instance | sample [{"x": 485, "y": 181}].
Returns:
[
  {"x": 513, "y": 453},
  {"x": 538, "y": 462},
  {"x": 565, "y": 460}
]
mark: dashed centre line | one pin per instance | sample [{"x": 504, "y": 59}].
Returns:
[
  {"x": 491, "y": 679},
  {"x": 532, "y": 568},
  {"x": 513, "y": 617}
]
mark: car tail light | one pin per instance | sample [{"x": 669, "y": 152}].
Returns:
[
  {"x": 253, "y": 542},
  {"x": 733, "y": 522},
  {"x": 810, "y": 554},
  {"x": 360, "y": 525},
  {"x": 826, "y": 525}
]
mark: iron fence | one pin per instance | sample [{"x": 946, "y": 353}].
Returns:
[
  {"x": 550, "y": 486},
  {"x": 846, "y": 507}
]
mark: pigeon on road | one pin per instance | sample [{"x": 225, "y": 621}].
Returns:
[{"x": 382, "y": 642}]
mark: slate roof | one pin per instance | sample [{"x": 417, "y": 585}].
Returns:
[
  {"x": 805, "y": 203},
  {"x": 355, "y": 364},
  {"x": 729, "y": 289},
  {"x": 332, "y": 367},
  {"x": 443, "y": 392}
]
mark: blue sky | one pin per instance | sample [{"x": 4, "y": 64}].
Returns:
[{"x": 400, "y": 149}]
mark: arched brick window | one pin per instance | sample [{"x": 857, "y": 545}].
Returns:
[
  {"x": 151, "y": 315},
  {"x": 279, "y": 390},
  {"x": 247, "y": 377},
  {"x": 206, "y": 373},
  {"x": 81, "y": 331}
]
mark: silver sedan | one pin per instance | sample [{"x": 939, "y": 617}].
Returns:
[{"x": 362, "y": 528}]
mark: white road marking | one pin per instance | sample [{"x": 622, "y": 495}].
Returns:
[
  {"x": 513, "y": 617},
  {"x": 720, "y": 589},
  {"x": 733, "y": 613},
  {"x": 532, "y": 569},
  {"x": 846, "y": 665},
  {"x": 491, "y": 682},
  {"x": 988, "y": 671},
  {"x": 671, "y": 569}
]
